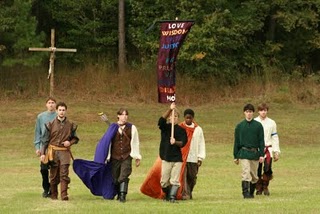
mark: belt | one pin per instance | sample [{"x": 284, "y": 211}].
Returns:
[
  {"x": 49, "y": 154},
  {"x": 250, "y": 149}
]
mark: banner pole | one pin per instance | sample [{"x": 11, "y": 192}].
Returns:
[{"x": 172, "y": 123}]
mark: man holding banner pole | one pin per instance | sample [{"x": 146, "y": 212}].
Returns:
[
  {"x": 167, "y": 167},
  {"x": 173, "y": 138}
]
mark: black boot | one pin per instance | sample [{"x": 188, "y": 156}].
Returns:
[
  {"x": 252, "y": 189},
  {"x": 191, "y": 190},
  {"x": 123, "y": 191},
  {"x": 117, "y": 187},
  {"x": 45, "y": 183},
  {"x": 173, "y": 193},
  {"x": 166, "y": 191},
  {"x": 245, "y": 189}
]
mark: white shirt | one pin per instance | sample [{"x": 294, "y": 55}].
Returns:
[
  {"x": 271, "y": 137},
  {"x": 197, "y": 146}
]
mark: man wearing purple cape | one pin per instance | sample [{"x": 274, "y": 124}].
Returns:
[{"x": 108, "y": 174}]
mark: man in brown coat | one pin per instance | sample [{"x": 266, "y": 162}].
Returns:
[{"x": 60, "y": 134}]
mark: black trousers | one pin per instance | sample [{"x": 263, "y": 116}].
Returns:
[
  {"x": 44, "y": 170},
  {"x": 121, "y": 170}
]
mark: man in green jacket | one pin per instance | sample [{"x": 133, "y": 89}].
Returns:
[{"x": 248, "y": 150}]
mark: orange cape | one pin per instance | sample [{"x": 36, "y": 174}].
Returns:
[{"x": 151, "y": 185}]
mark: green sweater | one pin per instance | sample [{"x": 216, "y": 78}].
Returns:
[{"x": 248, "y": 140}]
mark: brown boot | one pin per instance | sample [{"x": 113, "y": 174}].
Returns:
[
  {"x": 259, "y": 187},
  {"x": 266, "y": 179},
  {"x": 64, "y": 191},
  {"x": 64, "y": 181},
  {"x": 54, "y": 191}
]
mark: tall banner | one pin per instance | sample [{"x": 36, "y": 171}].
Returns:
[{"x": 172, "y": 36}]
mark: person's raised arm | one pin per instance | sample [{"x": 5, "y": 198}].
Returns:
[{"x": 168, "y": 112}]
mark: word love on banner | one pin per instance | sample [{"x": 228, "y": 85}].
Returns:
[{"x": 173, "y": 33}]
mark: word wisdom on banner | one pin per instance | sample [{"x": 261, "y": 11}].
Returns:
[{"x": 172, "y": 36}]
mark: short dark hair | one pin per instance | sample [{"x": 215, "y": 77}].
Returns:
[
  {"x": 263, "y": 106},
  {"x": 248, "y": 107},
  {"x": 61, "y": 104},
  {"x": 121, "y": 110},
  {"x": 188, "y": 111},
  {"x": 51, "y": 98}
]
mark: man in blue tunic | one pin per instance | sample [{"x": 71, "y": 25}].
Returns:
[{"x": 43, "y": 118}]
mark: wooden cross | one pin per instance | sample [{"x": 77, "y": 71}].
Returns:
[{"x": 52, "y": 49}]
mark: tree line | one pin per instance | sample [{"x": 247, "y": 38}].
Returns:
[{"x": 229, "y": 38}]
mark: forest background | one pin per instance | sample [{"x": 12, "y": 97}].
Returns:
[
  {"x": 267, "y": 50},
  {"x": 237, "y": 52}
]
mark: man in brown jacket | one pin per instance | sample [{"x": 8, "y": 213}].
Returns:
[{"x": 59, "y": 135}]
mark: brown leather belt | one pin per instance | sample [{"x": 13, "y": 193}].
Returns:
[{"x": 250, "y": 149}]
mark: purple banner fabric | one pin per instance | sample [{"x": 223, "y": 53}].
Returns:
[{"x": 172, "y": 36}]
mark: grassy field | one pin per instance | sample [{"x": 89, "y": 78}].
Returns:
[{"x": 295, "y": 188}]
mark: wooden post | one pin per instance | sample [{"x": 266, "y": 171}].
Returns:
[
  {"x": 172, "y": 123},
  {"x": 51, "y": 64},
  {"x": 52, "y": 49}
]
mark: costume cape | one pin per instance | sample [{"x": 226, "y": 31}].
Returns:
[
  {"x": 96, "y": 174},
  {"x": 151, "y": 185}
]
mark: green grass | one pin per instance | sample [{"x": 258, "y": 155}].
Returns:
[{"x": 294, "y": 189}]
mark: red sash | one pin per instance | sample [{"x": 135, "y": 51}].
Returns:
[{"x": 268, "y": 155}]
